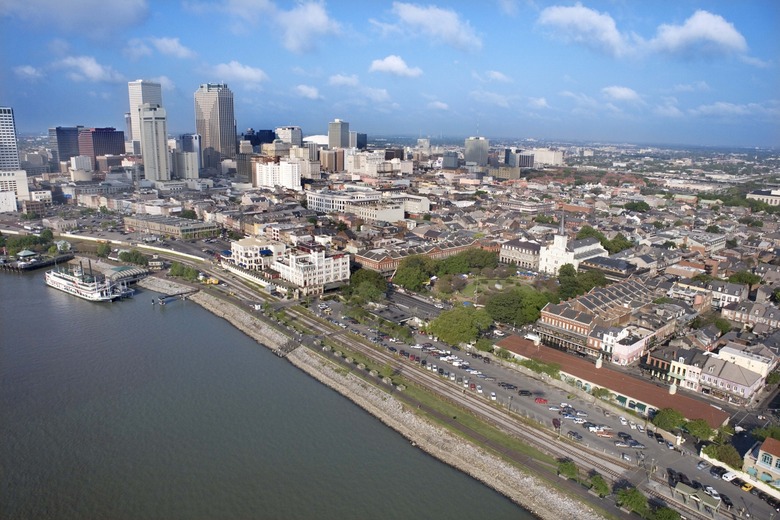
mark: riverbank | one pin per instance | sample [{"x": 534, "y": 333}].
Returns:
[{"x": 526, "y": 490}]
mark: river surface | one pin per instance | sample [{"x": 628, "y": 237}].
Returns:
[{"x": 133, "y": 411}]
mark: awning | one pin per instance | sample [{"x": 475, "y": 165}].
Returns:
[{"x": 622, "y": 399}]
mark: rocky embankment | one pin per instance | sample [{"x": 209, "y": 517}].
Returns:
[{"x": 528, "y": 491}]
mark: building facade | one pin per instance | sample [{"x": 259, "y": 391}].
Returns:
[
  {"x": 9, "y": 148},
  {"x": 139, "y": 93},
  {"x": 292, "y": 135},
  {"x": 215, "y": 122},
  {"x": 101, "y": 141},
  {"x": 284, "y": 174},
  {"x": 338, "y": 134},
  {"x": 154, "y": 142},
  {"x": 311, "y": 269},
  {"x": 524, "y": 254},
  {"x": 476, "y": 150},
  {"x": 64, "y": 142}
]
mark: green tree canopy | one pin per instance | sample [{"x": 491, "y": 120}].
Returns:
[
  {"x": 568, "y": 468},
  {"x": 134, "y": 256},
  {"x": 633, "y": 500},
  {"x": 374, "y": 281},
  {"x": 771, "y": 431},
  {"x": 639, "y": 206},
  {"x": 414, "y": 272},
  {"x": 599, "y": 485},
  {"x": 700, "y": 429},
  {"x": 668, "y": 419},
  {"x": 460, "y": 325},
  {"x": 665, "y": 513},
  {"x": 103, "y": 249},
  {"x": 188, "y": 213},
  {"x": 47, "y": 235},
  {"x": 745, "y": 277}
]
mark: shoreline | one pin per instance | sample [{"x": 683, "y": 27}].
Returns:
[{"x": 522, "y": 488}]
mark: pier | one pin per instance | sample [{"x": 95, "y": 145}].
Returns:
[
  {"x": 165, "y": 298},
  {"x": 29, "y": 266}
]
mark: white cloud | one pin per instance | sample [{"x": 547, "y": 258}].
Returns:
[
  {"x": 136, "y": 49},
  {"x": 668, "y": 108},
  {"x": 438, "y": 105},
  {"x": 755, "y": 62},
  {"x": 165, "y": 82},
  {"x": 172, "y": 47},
  {"x": 725, "y": 109},
  {"x": 86, "y": 68},
  {"x": 703, "y": 32},
  {"x": 495, "y": 75},
  {"x": 699, "y": 86},
  {"x": 490, "y": 98},
  {"x": 340, "y": 80},
  {"x": 307, "y": 91},
  {"x": 441, "y": 25},
  {"x": 75, "y": 16},
  {"x": 508, "y": 7},
  {"x": 235, "y": 71},
  {"x": 28, "y": 72},
  {"x": 394, "y": 65},
  {"x": 586, "y": 26},
  {"x": 377, "y": 95},
  {"x": 538, "y": 103},
  {"x": 618, "y": 93},
  {"x": 304, "y": 25}
]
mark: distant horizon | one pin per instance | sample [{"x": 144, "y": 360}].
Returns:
[{"x": 702, "y": 72}]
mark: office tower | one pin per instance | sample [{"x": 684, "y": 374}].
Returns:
[
  {"x": 358, "y": 140},
  {"x": 284, "y": 174},
  {"x": 338, "y": 134},
  {"x": 245, "y": 147},
  {"x": 64, "y": 142},
  {"x": 290, "y": 134},
  {"x": 82, "y": 162},
  {"x": 154, "y": 142},
  {"x": 185, "y": 164},
  {"x": 477, "y": 150},
  {"x": 259, "y": 137},
  {"x": 450, "y": 160},
  {"x": 140, "y": 92},
  {"x": 13, "y": 188},
  {"x": 128, "y": 125},
  {"x": 101, "y": 141},
  {"x": 191, "y": 143},
  {"x": 215, "y": 121},
  {"x": 9, "y": 148}
]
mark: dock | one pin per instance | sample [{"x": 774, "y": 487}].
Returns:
[
  {"x": 165, "y": 298},
  {"x": 30, "y": 266},
  {"x": 285, "y": 349}
]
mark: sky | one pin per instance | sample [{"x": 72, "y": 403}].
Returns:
[{"x": 686, "y": 72}]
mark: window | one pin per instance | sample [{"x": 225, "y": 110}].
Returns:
[
  {"x": 777, "y": 463},
  {"x": 767, "y": 459}
]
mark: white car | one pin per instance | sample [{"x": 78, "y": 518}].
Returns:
[
  {"x": 623, "y": 421},
  {"x": 492, "y": 396},
  {"x": 479, "y": 389},
  {"x": 625, "y": 457},
  {"x": 640, "y": 428},
  {"x": 711, "y": 492},
  {"x": 632, "y": 425}
]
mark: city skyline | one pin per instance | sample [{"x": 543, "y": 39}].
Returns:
[{"x": 688, "y": 73}]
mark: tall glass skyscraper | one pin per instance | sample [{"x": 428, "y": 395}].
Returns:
[
  {"x": 476, "y": 150},
  {"x": 9, "y": 148},
  {"x": 215, "y": 121}
]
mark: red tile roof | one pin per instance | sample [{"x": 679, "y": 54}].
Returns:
[
  {"x": 771, "y": 446},
  {"x": 618, "y": 382}
]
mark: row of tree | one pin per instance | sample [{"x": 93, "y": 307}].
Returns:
[
  {"x": 415, "y": 272},
  {"x": 616, "y": 245},
  {"x": 40, "y": 243}
]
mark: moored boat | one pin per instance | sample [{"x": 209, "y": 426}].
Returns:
[{"x": 73, "y": 279}]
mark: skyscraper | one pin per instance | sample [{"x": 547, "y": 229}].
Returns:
[
  {"x": 101, "y": 141},
  {"x": 290, "y": 134},
  {"x": 141, "y": 91},
  {"x": 338, "y": 134},
  {"x": 64, "y": 142},
  {"x": 154, "y": 142},
  {"x": 476, "y": 151},
  {"x": 215, "y": 121},
  {"x": 9, "y": 148}
]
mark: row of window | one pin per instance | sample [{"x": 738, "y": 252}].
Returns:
[{"x": 766, "y": 458}]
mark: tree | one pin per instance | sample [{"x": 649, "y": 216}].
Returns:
[
  {"x": 460, "y": 325},
  {"x": 723, "y": 325},
  {"x": 134, "y": 257},
  {"x": 599, "y": 485},
  {"x": 665, "y": 513},
  {"x": 567, "y": 278},
  {"x": 731, "y": 243},
  {"x": 189, "y": 214},
  {"x": 713, "y": 229},
  {"x": 772, "y": 431},
  {"x": 725, "y": 453},
  {"x": 53, "y": 250},
  {"x": 668, "y": 419},
  {"x": 484, "y": 345},
  {"x": 745, "y": 277},
  {"x": 103, "y": 249},
  {"x": 773, "y": 378},
  {"x": 505, "y": 306},
  {"x": 47, "y": 235},
  {"x": 371, "y": 278},
  {"x": 633, "y": 500},
  {"x": 700, "y": 429},
  {"x": 639, "y": 206},
  {"x": 568, "y": 468},
  {"x": 414, "y": 272}
]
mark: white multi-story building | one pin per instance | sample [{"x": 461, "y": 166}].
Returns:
[
  {"x": 140, "y": 92},
  {"x": 562, "y": 252},
  {"x": 284, "y": 174},
  {"x": 328, "y": 201},
  {"x": 547, "y": 156},
  {"x": 185, "y": 165},
  {"x": 82, "y": 162},
  {"x": 257, "y": 254},
  {"x": 15, "y": 182},
  {"x": 414, "y": 204},
  {"x": 311, "y": 269},
  {"x": 154, "y": 142},
  {"x": 309, "y": 169},
  {"x": 290, "y": 134},
  {"x": 9, "y": 148},
  {"x": 376, "y": 211}
]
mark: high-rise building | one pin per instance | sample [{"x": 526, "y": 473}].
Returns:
[
  {"x": 101, "y": 141},
  {"x": 284, "y": 174},
  {"x": 64, "y": 142},
  {"x": 290, "y": 134},
  {"x": 191, "y": 143},
  {"x": 185, "y": 164},
  {"x": 9, "y": 148},
  {"x": 476, "y": 150},
  {"x": 154, "y": 142},
  {"x": 338, "y": 134},
  {"x": 215, "y": 121},
  {"x": 358, "y": 140},
  {"x": 450, "y": 160},
  {"x": 141, "y": 92}
]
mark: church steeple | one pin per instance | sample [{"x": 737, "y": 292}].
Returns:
[{"x": 561, "y": 230}]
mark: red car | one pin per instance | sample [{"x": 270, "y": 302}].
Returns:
[{"x": 540, "y": 400}]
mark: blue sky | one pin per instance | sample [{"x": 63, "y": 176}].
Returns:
[{"x": 676, "y": 72}]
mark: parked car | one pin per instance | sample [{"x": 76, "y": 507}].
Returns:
[
  {"x": 747, "y": 486},
  {"x": 702, "y": 464},
  {"x": 540, "y": 400},
  {"x": 524, "y": 393}
]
